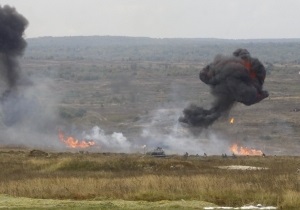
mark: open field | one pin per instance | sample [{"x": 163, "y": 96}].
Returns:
[
  {"x": 123, "y": 95},
  {"x": 139, "y": 87},
  {"x": 136, "y": 177}
]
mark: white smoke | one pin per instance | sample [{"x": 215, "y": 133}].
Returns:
[
  {"x": 116, "y": 142},
  {"x": 33, "y": 116},
  {"x": 165, "y": 131}
]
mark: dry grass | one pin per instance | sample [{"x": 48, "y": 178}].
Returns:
[{"x": 137, "y": 177}]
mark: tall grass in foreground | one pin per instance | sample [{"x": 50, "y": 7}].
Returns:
[{"x": 134, "y": 177}]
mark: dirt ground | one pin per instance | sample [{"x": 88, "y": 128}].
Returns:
[
  {"x": 124, "y": 99},
  {"x": 273, "y": 125}
]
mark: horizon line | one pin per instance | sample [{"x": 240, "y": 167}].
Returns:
[{"x": 148, "y": 37}]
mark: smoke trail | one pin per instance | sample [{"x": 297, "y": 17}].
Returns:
[
  {"x": 12, "y": 45},
  {"x": 236, "y": 78}
]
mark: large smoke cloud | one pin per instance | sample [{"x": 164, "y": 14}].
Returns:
[
  {"x": 12, "y": 45},
  {"x": 27, "y": 114},
  {"x": 163, "y": 130},
  {"x": 236, "y": 78}
]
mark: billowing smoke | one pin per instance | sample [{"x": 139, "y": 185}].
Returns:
[
  {"x": 236, "y": 78},
  {"x": 25, "y": 116},
  {"x": 166, "y": 132},
  {"x": 116, "y": 142},
  {"x": 12, "y": 45}
]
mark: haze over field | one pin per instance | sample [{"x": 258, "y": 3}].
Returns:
[
  {"x": 230, "y": 19},
  {"x": 123, "y": 94}
]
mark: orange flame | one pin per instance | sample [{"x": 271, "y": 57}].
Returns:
[
  {"x": 72, "y": 142},
  {"x": 231, "y": 121},
  {"x": 248, "y": 66},
  {"x": 235, "y": 149}
]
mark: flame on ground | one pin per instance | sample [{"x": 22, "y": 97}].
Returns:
[
  {"x": 235, "y": 149},
  {"x": 231, "y": 121},
  {"x": 72, "y": 142}
]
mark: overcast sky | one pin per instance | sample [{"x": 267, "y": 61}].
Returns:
[{"x": 229, "y": 19}]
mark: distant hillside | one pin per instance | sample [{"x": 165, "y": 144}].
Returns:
[{"x": 114, "y": 48}]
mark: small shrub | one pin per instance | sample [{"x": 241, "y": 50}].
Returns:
[{"x": 70, "y": 113}]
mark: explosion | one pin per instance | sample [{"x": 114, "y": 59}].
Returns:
[{"x": 236, "y": 78}]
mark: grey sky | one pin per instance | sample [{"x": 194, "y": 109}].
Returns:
[{"x": 230, "y": 19}]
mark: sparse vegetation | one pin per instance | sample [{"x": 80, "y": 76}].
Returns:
[
  {"x": 116, "y": 81},
  {"x": 136, "y": 177},
  {"x": 69, "y": 113}
]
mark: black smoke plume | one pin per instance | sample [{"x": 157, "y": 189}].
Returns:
[
  {"x": 12, "y": 45},
  {"x": 236, "y": 78}
]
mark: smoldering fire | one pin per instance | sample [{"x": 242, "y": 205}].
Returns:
[{"x": 236, "y": 78}]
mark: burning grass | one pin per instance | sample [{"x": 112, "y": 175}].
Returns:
[{"x": 136, "y": 177}]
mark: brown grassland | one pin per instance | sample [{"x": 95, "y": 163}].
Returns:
[{"x": 138, "y": 177}]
